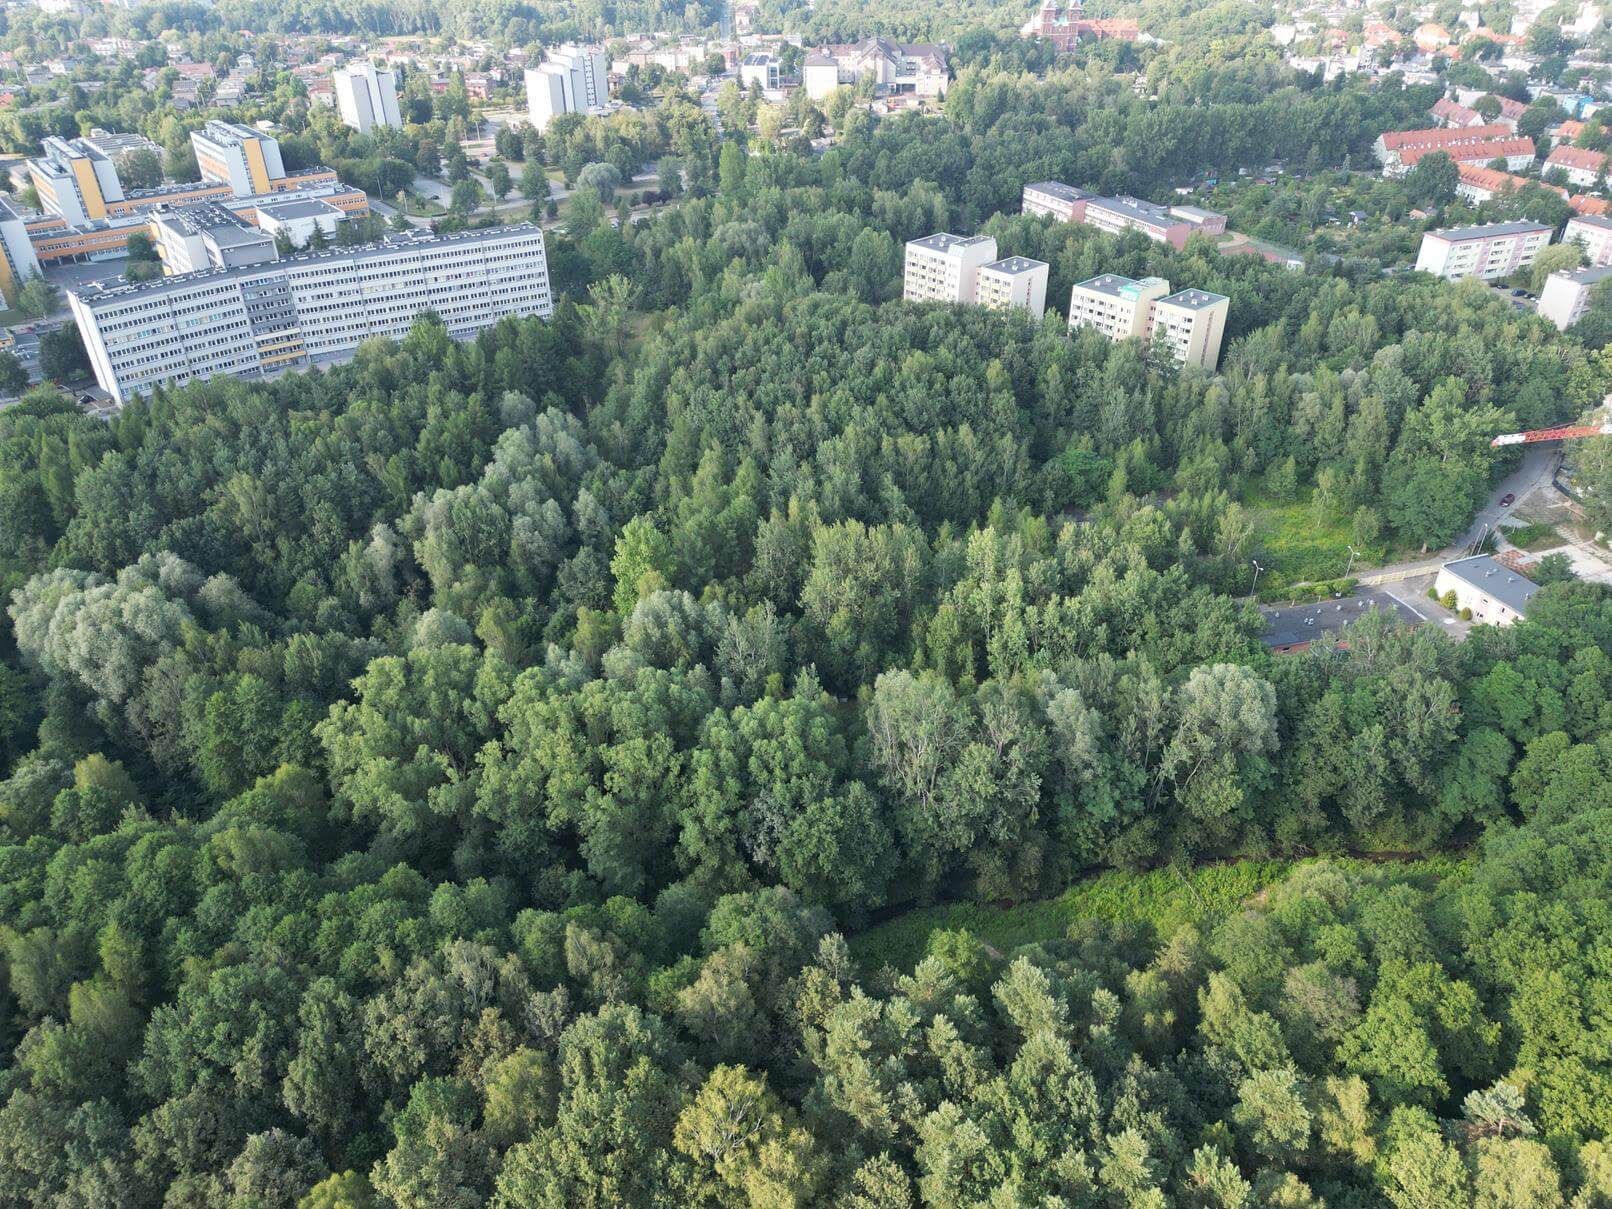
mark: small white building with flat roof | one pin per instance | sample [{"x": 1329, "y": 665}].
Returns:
[{"x": 1496, "y": 594}]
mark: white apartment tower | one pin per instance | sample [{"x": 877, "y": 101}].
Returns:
[
  {"x": 309, "y": 309},
  {"x": 943, "y": 268},
  {"x": 246, "y": 160},
  {"x": 1592, "y": 233},
  {"x": 1192, "y": 325},
  {"x": 366, "y": 98},
  {"x": 1487, "y": 251},
  {"x": 1014, "y": 283},
  {"x": 573, "y": 79},
  {"x": 1566, "y": 295}
]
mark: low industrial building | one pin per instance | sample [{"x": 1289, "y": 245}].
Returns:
[{"x": 1496, "y": 593}]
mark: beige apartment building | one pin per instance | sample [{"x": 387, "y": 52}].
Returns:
[
  {"x": 1016, "y": 282},
  {"x": 1191, "y": 323},
  {"x": 944, "y": 268}
]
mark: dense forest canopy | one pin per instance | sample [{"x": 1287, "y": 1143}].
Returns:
[{"x": 451, "y": 778}]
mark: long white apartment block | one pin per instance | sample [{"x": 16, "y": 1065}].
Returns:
[
  {"x": 366, "y": 98},
  {"x": 1190, "y": 323},
  {"x": 1592, "y": 233},
  {"x": 1016, "y": 282},
  {"x": 246, "y": 160},
  {"x": 1566, "y": 295},
  {"x": 943, "y": 268},
  {"x": 1487, "y": 251},
  {"x": 573, "y": 79},
  {"x": 309, "y": 309}
]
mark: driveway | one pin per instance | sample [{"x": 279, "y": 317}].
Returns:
[{"x": 1538, "y": 464}]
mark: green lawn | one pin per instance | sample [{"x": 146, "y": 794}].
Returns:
[
  {"x": 1297, "y": 547},
  {"x": 1163, "y": 897},
  {"x": 1534, "y": 537}
]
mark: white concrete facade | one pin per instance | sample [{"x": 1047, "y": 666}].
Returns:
[
  {"x": 1014, "y": 283},
  {"x": 366, "y": 98},
  {"x": 308, "y": 309},
  {"x": 1592, "y": 233},
  {"x": 1488, "y": 251},
  {"x": 944, "y": 268},
  {"x": 1566, "y": 295},
  {"x": 573, "y": 79}
]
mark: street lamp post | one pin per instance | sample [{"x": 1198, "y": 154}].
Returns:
[
  {"x": 1351, "y": 565},
  {"x": 1254, "y": 587}
]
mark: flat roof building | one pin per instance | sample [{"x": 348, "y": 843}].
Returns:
[
  {"x": 1119, "y": 307},
  {"x": 192, "y": 239},
  {"x": 1053, "y": 198},
  {"x": 943, "y": 268},
  {"x": 573, "y": 79},
  {"x": 17, "y": 259},
  {"x": 1566, "y": 295},
  {"x": 76, "y": 178},
  {"x": 298, "y": 218},
  {"x": 247, "y": 160},
  {"x": 1173, "y": 225},
  {"x": 1192, "y": 324},
  {"x": 1496, "y": 594},
  {"x": 366, "y": 98},
  {"x": 309, "y": 309},
  {"x": 1488, "y": 251},
  {"x": 1016, "y": 282},
  {"x": 1593, "y": 233}
]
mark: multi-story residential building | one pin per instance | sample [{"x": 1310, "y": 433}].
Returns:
[
  {"x": 1479, "y": 185},
  {"x": 1015, "y": 282},
  {"x": 246, "y": 160},
  {"x": 1191, "y": 323},
  {"x": 1566, "y": 295},
  {"x": 1121, "y": 308},
  {"x": 1399, "y": 150},
  {"x": 895, "y": 69},
  {"x": 1593, "y": 233},
  {"x": 573, "y": 79},
  {"x": 366, "y": 98},
  {"x": 1066, "y": 27},
  {"x": 944, "y": 268},
  {"x": 1060, "y": 201},
  {"x": 192, "y": 239},
  {"x": 17, "y": 259},
  {"x": 1173, "y": 225},
  {"x": 1487, "y": 251},
  {"x": 308, "y": 309},
  {"x": 1582, "y": 167}
]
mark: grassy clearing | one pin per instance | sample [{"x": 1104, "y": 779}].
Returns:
[
  {"x": 1162, "y": 897},
  {"x": 1297, "y": 546},
  {"x": 1535, "y": 537}
]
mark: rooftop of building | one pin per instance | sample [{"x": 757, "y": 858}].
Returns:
[
  {"x": 1134, "y": 208},
  {"x": 209, "y": 218},
  {"x": 1059, "y": 190},
  {"x": 393, "y": 243},
  {"x": 1591, "y": 220},
  {"x": 1015, "y": 265},
  {"x": 1489, "y": 230},
  {"x": 9, "y": 212},
  {"x": 1116, "y": 286},
  {"x": 1588, "y": 275},
  {"x": 943, "y": 242},
  {"x": 227, "y": 134},
  {"x": 1195, "y": 213},
  {"x": 295, "y": 208},
  {"x": 1492, "y": 577},
  {"x": 1194, "y": 300}
]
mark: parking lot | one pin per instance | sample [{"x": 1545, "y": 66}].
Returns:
[{"x": 1291, "y": 629}]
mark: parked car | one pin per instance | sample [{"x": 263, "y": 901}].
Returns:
[{"x": 1507, "y": 500}]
